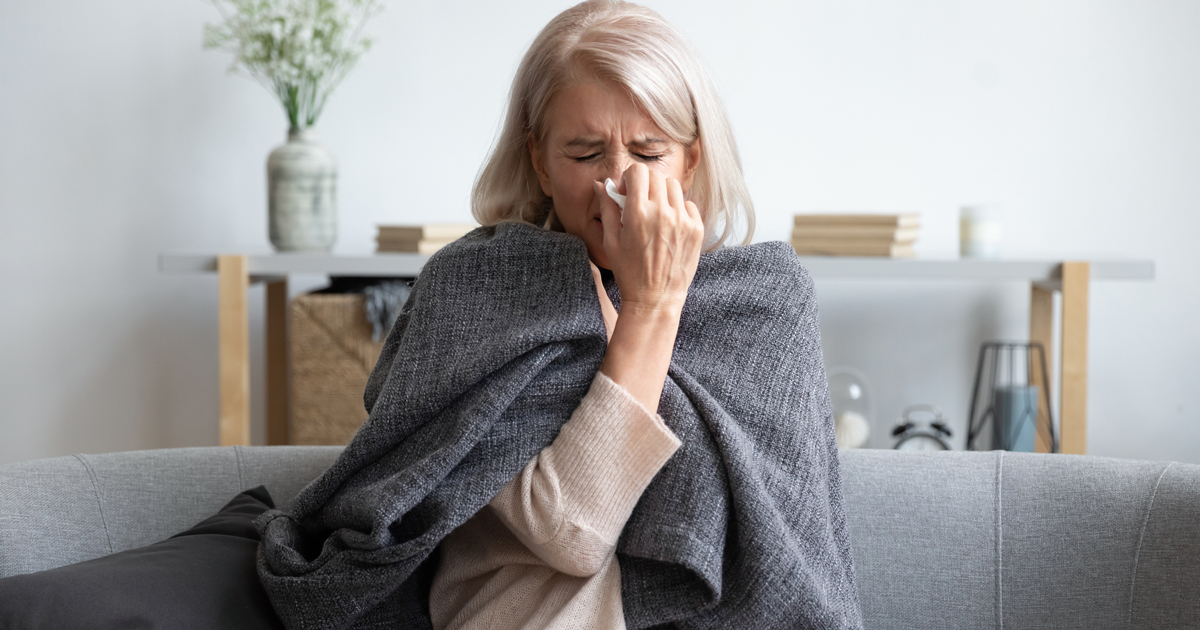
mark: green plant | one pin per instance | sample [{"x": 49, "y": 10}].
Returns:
[{"x": 298, "y": 49}]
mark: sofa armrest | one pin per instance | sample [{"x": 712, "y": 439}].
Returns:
[
  {"x": 1023, "y": 540},
  {"x": 63, "y": 510}
]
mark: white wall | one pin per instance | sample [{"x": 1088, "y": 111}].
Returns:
[{"x": 120, "y": 138}]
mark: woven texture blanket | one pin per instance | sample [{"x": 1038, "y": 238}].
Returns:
[{"x": 496, "y": 346}]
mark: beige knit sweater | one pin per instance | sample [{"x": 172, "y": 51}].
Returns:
[{"x": 540, "y": 554}]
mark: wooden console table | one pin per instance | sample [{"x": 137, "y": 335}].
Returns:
[{"x": 235, "y": 273}]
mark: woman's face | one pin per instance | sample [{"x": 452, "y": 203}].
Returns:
[{"x": 595, "y": 131}]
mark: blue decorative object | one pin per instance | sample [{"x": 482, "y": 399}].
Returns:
[{"x": 1015, "y": 418}]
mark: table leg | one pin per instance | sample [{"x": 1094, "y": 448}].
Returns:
[
  {"x": 1041, "y": 330},
  {"x": 1073, "y": 399},
  {"x": 277, "y": 376},
  {"x": 233, "y": 326}
]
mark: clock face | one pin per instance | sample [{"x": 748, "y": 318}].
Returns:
[{"x": 921, "y": 443}]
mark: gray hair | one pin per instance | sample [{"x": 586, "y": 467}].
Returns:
[{"x": 632, "y": 46}]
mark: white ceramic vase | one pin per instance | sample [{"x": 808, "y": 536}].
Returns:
[{"x": 302, "y": 194}]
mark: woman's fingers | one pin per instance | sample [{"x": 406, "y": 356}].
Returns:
[
  {"x": 636, "y": 180},
  {"x": 637, "y": 193},
  {"x": 694, "y": 213},
  {"x": 657, "y": 191},
  {"x": 675, "y": 196}
]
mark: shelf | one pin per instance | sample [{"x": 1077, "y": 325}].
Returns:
[
  {"x": 831, "y": 267},
  {"x": 821, "y": 267},
  {"x": 282, "y": 264},
  {"x": 1047, "y": 277}
]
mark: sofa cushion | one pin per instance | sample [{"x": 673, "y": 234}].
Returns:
[{"x": 201, "y": 578}]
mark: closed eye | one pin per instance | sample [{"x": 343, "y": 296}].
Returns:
[
  {"x": 649, "y": 158},
  {"x": 586, "y": 158}
]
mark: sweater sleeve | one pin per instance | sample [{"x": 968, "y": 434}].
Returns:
[{"x": 570, "y": 502}]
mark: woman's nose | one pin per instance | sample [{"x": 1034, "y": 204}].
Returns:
[{"x": 616, "y": 166}]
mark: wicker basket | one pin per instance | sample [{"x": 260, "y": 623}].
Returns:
[{"x": 331, "y": 357}]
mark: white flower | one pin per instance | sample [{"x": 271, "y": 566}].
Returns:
[{"x": 298, "y": 49}]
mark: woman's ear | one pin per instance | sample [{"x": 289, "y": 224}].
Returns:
[
  {"x": 691, "y": 162},
  {"x": 539, "y": 166}
]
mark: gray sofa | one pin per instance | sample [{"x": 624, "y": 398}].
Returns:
[{"x": 950, "y": 540}]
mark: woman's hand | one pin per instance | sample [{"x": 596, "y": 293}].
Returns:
[
  {"x": 653, "y": 246},
  {"x": 653, "y": 249}
]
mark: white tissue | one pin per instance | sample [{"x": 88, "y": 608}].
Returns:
[{"x": 611, "y": 188}]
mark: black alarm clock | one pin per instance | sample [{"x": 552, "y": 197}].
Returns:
[{"x": 921, "y": 428}]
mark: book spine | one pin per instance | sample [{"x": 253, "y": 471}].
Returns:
[
  {"x": 858, "y": 220},
  {"x": 857, "y": 233},
  {"x": 894, "y": 250}
]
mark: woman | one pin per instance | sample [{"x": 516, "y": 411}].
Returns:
[
  {"x": 694, "y": 481},
  {"x": 541, "y": 553},
  {"x": 573, "y": 123}
]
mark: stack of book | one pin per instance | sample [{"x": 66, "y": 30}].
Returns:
[
  {"x": 888, "y": 235},
  {"x": 419, "y": 239}
]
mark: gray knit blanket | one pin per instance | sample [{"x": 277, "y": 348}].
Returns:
[{"x": 743, "y": 528}]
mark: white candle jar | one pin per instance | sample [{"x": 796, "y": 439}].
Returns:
[{"x": 980, "y": 231}]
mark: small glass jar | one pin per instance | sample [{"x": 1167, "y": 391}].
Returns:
[
  {"x": 980, "y": 230},
  {"x": 850, "y": 397}
]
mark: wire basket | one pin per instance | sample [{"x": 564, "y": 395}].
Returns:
[{"x": 1012, "y": 396}]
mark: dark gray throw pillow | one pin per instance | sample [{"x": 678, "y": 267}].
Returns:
[{"x": 198, "y": 579}]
